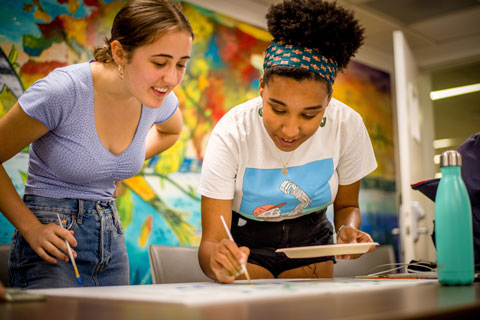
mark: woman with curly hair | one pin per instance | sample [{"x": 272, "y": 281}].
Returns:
[
  {"x": 90, "y": 125},
  {"x": 275, "y": 163}
]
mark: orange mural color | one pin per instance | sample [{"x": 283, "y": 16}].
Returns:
[
  {"x": 249, "y": 73},
  {"x": 32, "y": 71},
  {"x": 40, "y": 68},
  {"x": 215, "y": 99},
  {"x": 140, "y": 187},
  {"x": 145, "y": 231},
  {"x": 245, "y": 41}
]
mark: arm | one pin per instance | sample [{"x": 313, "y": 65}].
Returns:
[
  {"x": 18, "y": 130},
  {"x": 347, "y": 214},
  {"x": 164, "y": 135},
  {"x": 219, "y": 257}
]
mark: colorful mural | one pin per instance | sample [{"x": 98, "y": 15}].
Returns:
[
  {"x": 160, "y": 205},
  {"x": 368, "y": 91}
]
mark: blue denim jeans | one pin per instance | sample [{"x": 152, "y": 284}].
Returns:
[{"x": 101, "y": 252}]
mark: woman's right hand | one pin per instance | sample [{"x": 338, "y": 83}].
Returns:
[
  {"x": 48, "y": 239},
  {"x": 17, "y": 130},
  {"x": 227, "y": 259}
]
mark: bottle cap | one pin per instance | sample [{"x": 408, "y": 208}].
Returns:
[{"x": 450, "y": 158}]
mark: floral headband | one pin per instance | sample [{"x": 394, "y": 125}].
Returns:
[{"x": 281, "y": 54}]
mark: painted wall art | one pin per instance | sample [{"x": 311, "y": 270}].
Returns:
[{"x": 160, "y": 205}]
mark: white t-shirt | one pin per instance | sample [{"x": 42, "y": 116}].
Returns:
[{"x": 242, "y": 163}]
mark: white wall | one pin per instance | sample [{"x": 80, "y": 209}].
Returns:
[
  {"x": 425, "y": 249},
  {"x": 415, "y": 150}
]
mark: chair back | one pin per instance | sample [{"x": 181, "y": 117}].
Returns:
[
  {"x": 4, "y": 255},
  {"x": 367, "y": 263},
  {"x": 175, "y": 264}
]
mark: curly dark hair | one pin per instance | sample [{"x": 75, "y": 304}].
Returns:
[
  {"x": 326, "y": 26},
  {"x": 318, "y": 24}
]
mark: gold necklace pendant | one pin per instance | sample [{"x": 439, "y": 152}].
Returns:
[{"x": 285, "y": 164}]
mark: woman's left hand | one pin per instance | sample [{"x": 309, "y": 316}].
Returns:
[{"x": 350, "y": 234}]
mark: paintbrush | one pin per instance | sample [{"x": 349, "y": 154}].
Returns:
[
  {"x": 77, "y": 275},
  {"x": 244, "y": 268}
]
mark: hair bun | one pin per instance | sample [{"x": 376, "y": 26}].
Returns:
[{"x": 325, "y": 26}]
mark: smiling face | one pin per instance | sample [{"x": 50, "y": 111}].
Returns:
[
  {"x": 155, "y": 69},
  {"x": 292, "y": 110}
]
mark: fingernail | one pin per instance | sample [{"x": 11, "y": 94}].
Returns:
[{"x": 243, "y": 259}]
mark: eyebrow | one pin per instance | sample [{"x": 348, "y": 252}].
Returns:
[
  {"x": 283, "y": 104},
  {"x": 169, "y": 56}
]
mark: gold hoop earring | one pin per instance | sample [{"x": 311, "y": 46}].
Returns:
[{"x": 121, "y": 71}]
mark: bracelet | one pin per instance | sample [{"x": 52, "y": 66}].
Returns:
[{"x": 343, "y": 226}]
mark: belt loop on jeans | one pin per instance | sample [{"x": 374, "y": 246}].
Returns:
[
  {"x": 100, "y": 206},
  {"x": 116, "y": 217},
  {"x": 80, "y": 211}
]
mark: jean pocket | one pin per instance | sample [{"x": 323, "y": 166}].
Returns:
[
  {"x": 22, "y": 253},
  {"x": 50, "y": 215}
]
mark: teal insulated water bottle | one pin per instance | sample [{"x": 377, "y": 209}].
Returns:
[{"x": 453, "y": 224}]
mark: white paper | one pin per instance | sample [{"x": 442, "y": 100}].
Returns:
[{"x": 201, "y": 293}]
